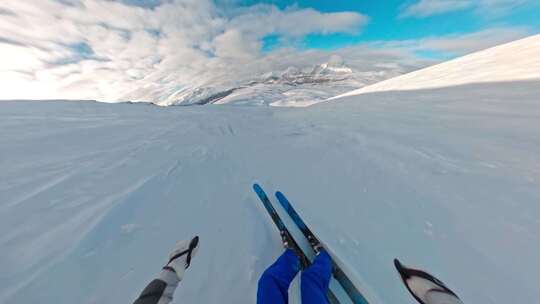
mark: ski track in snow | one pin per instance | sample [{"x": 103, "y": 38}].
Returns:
[{"x": 95, "y": 195}]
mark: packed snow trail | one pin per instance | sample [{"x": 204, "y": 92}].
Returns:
[{"x": 446, "y": 180}]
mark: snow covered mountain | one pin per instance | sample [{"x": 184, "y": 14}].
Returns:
[
  {"x": 514, "y": 61},
  {"x": 303, "y": 87},
  {"x": 291, "y": 87}
]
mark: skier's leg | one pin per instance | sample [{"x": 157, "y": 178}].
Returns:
[
  {"x": 315, "y": 280},
  {"x": 274, "y": 282}
]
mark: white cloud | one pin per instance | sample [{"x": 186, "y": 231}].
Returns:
[
  {"x": 233, "y": 44},
  {"x": 457, "y": 45},
  {"x": 265, "y": 19},
  {"x": 425, "y": 8},
  {"x": 112, "y": 51},
  {"x": 468, "y": 43},
  {"x": 140, "y": 49}
]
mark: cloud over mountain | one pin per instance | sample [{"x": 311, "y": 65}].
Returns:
[
  {"x": 145, "y": 50},
  {"x": 157, "y": 50}
]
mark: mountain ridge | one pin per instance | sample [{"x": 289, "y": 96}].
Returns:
[{"x": 290, "y": 87}]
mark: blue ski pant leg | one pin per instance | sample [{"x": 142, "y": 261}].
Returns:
[
  {"x": 316, "y": 279},
  {"x": 274, "y": 283}
]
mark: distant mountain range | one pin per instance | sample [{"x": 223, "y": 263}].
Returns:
[{"x": 291, "y": 87}]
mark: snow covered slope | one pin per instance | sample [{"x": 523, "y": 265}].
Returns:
[
  {"x": 93, "y": 195},
  {"x": 515, "y": 61}
]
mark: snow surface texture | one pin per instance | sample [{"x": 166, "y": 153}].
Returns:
[
  {"x": 95, "y": 195},
  {"x": 513, "y": 61}
]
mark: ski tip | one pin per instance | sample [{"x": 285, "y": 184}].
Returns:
[
  {"x": 282, "y": 199},
  {"x": 258, "y": 189}
]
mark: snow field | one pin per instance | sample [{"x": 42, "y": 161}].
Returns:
[{"x": 95, "y": 195}]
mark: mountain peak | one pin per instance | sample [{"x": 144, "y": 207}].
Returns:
[{"x": 335, "y": 65}]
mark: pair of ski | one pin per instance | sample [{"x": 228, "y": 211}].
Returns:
[{"x": 354, "y": 295}]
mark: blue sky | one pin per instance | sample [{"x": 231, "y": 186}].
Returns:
[
  {"x": 387, "y": 22},
  {"x": 159, "y": 49}
]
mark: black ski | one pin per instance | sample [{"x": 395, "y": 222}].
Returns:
[
  {"x": 304, "y": 260},
  {"x": 351, "y": 290}
]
